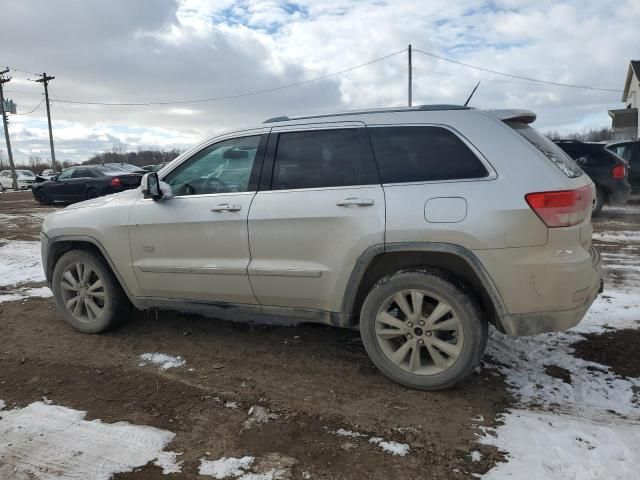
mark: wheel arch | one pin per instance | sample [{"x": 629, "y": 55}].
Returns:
[
  {"x": 455, "y": 261},
  {"x": 58, "y": 246}
]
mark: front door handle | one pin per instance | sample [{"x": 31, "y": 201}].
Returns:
[
  {"x": 226, "y": 207},
  {"x": 355, "y": 202}
]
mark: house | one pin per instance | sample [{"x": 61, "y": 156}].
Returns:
[{"x": 625, "y": 121}]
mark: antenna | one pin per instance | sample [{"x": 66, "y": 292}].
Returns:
[{"x": 472, "y": 92}]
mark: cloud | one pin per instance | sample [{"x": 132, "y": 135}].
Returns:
[{"x": 156, "y": 50}]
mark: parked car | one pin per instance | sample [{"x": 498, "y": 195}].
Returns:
[
  {"x": 25, "y": 178},
  {"x": 607, "y": 170},
  {"x": 84, "y": 182},
  {"x": 154, "y": 168},
  {"x": 46, "y": 174},
  {"x": 127, "y": 167},
  {"x": 420, "y": 226},
  {"x": 630, "y": 151}
]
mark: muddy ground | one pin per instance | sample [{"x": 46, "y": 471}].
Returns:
[{"x": 317, "y": 379}]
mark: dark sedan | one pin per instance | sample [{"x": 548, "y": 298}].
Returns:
[
  {"x": 82, "y": 183},
  {"x": 607, "y": 170}
]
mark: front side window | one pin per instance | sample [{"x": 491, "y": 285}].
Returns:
[
  {"x": 223, "y": 167},
  {"x": 422, "y": 154},
  {"x": 66, "y": 174},
  {"x": 322, "y": 158}
]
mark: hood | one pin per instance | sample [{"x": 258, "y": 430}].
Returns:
[{"x": 126, "y": 196}]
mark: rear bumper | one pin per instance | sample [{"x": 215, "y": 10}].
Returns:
[
  {"x": 533, "y": 323},
  {"x": 619, "y": 193}
]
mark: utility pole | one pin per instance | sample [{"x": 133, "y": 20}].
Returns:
[
  {"x": 45, "y": 81},
  {"x": 5, "y": 123},
  {"x": 410, "y": 75}
]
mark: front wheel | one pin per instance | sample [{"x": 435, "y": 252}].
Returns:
[
  {"x": 87, "y": 292},
  {"x": 422, "y": 330},
  {"x": 42, "y": 197}
]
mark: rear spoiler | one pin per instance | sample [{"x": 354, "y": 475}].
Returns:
[{"x": 526, "y": 116}]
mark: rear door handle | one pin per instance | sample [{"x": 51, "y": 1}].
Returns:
[
  {"x": 355, "y": 202},
  {"x": 226, "y": 207}
]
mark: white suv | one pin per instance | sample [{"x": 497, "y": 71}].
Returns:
[{"x": 419, "y": 226}]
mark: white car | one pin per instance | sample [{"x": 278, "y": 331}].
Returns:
[{"x": 26, "y": 179}]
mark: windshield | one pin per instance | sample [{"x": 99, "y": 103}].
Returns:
[
  {"x": 550, "y": 150},
  {"x": 24, "y": 173}
]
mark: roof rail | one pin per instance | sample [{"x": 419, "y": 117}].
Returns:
[{"x": 418, "y": 108}]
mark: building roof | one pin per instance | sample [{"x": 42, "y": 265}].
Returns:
[{"x": 634, "y": 68}]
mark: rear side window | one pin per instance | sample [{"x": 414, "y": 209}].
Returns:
[
  {"x": 549, "y": 149},
  {"x": 323, "y": 158},
  {"x": 417, "y": 154}
]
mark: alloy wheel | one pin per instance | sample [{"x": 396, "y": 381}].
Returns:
[
  {"x": 83, "y": 292},
  {"x": 419, "y": 332}
]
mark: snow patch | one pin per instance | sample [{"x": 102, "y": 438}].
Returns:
[
  {"x": 348, "y": 433},
  {"x": 20, "y": 262},
  {"x": 272, "y": 466},
  {"x": 25, "y": 293},
  {"x": 258, "y": 414},
  {"x": 553, "y": 446},
  {"x": 49, "y": 442},
  {"x": 619, "y": 236},
  {"x": 161, "y": 360},
  {"x": 168, "y": 462},
  {"x": 394, "y": 448},
  {"x": 476, "y": 456},
  {"x": 165, "y": 189},
  {"x": 225, "y": 467}
]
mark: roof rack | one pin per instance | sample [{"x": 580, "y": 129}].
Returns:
[{"x": 418, "y": 108}]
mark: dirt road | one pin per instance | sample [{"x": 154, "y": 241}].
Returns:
[{"x": 311, "y": 380}]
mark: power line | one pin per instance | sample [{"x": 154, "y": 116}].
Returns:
[
  {"x": 27, "y": 113},
  {"x": 227, "y": 97},
  {"x": 529, "y": 79},
  {"x": 15, "y": 69}
]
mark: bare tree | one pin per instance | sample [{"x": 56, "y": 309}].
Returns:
[{"x": 119, "y": 148}]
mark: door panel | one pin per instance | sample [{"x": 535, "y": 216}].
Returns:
[
  {"x": 304, "y": 246},
  {"x": 183, "y": 249},
  {"x": 320, "y": 206},
  {"x": 195, "y": 246}
]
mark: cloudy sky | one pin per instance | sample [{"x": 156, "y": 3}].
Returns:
[{"x": 123, "y": 51}]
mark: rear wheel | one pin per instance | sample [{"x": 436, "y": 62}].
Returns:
[
  {"x": 598, "y": 202},
  {"x": 42, "y": 197},
  {"x": 92, "y": 193},
  {"x": 87, "y": 292},
  {"x": 422, "y": 330}
]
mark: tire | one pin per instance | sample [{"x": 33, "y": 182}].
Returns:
[
  {"x": 599, "y": 203},
  {"x": 461, "y": 330},
  {"x": 42, "y": 197},
  {"x": 92, "y": 193},
  {"x": 112, "y": 303}
]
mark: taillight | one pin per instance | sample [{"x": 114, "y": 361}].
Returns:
[
  {"x": 619, "y": 171},
  {"x": 562, "y": 208},
  {"x": 115, "y": 182}
]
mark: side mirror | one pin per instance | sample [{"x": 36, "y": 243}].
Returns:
[
  {"x": 151, "y": 186},
  {"x": 54, "y": 178}
]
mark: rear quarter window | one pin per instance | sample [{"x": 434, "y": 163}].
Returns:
[
  {"x": 549, "y": 149},
  {"x": 423, "y": 153}
]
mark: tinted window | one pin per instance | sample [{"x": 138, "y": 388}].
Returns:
[
  {"x": 220, "y": 168},
  {"x": 66, "y": 173},
  {"x": 416, "y": 154},
  {"x": 83, "y": 173},
  {"x": 323, "y": 158}
]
